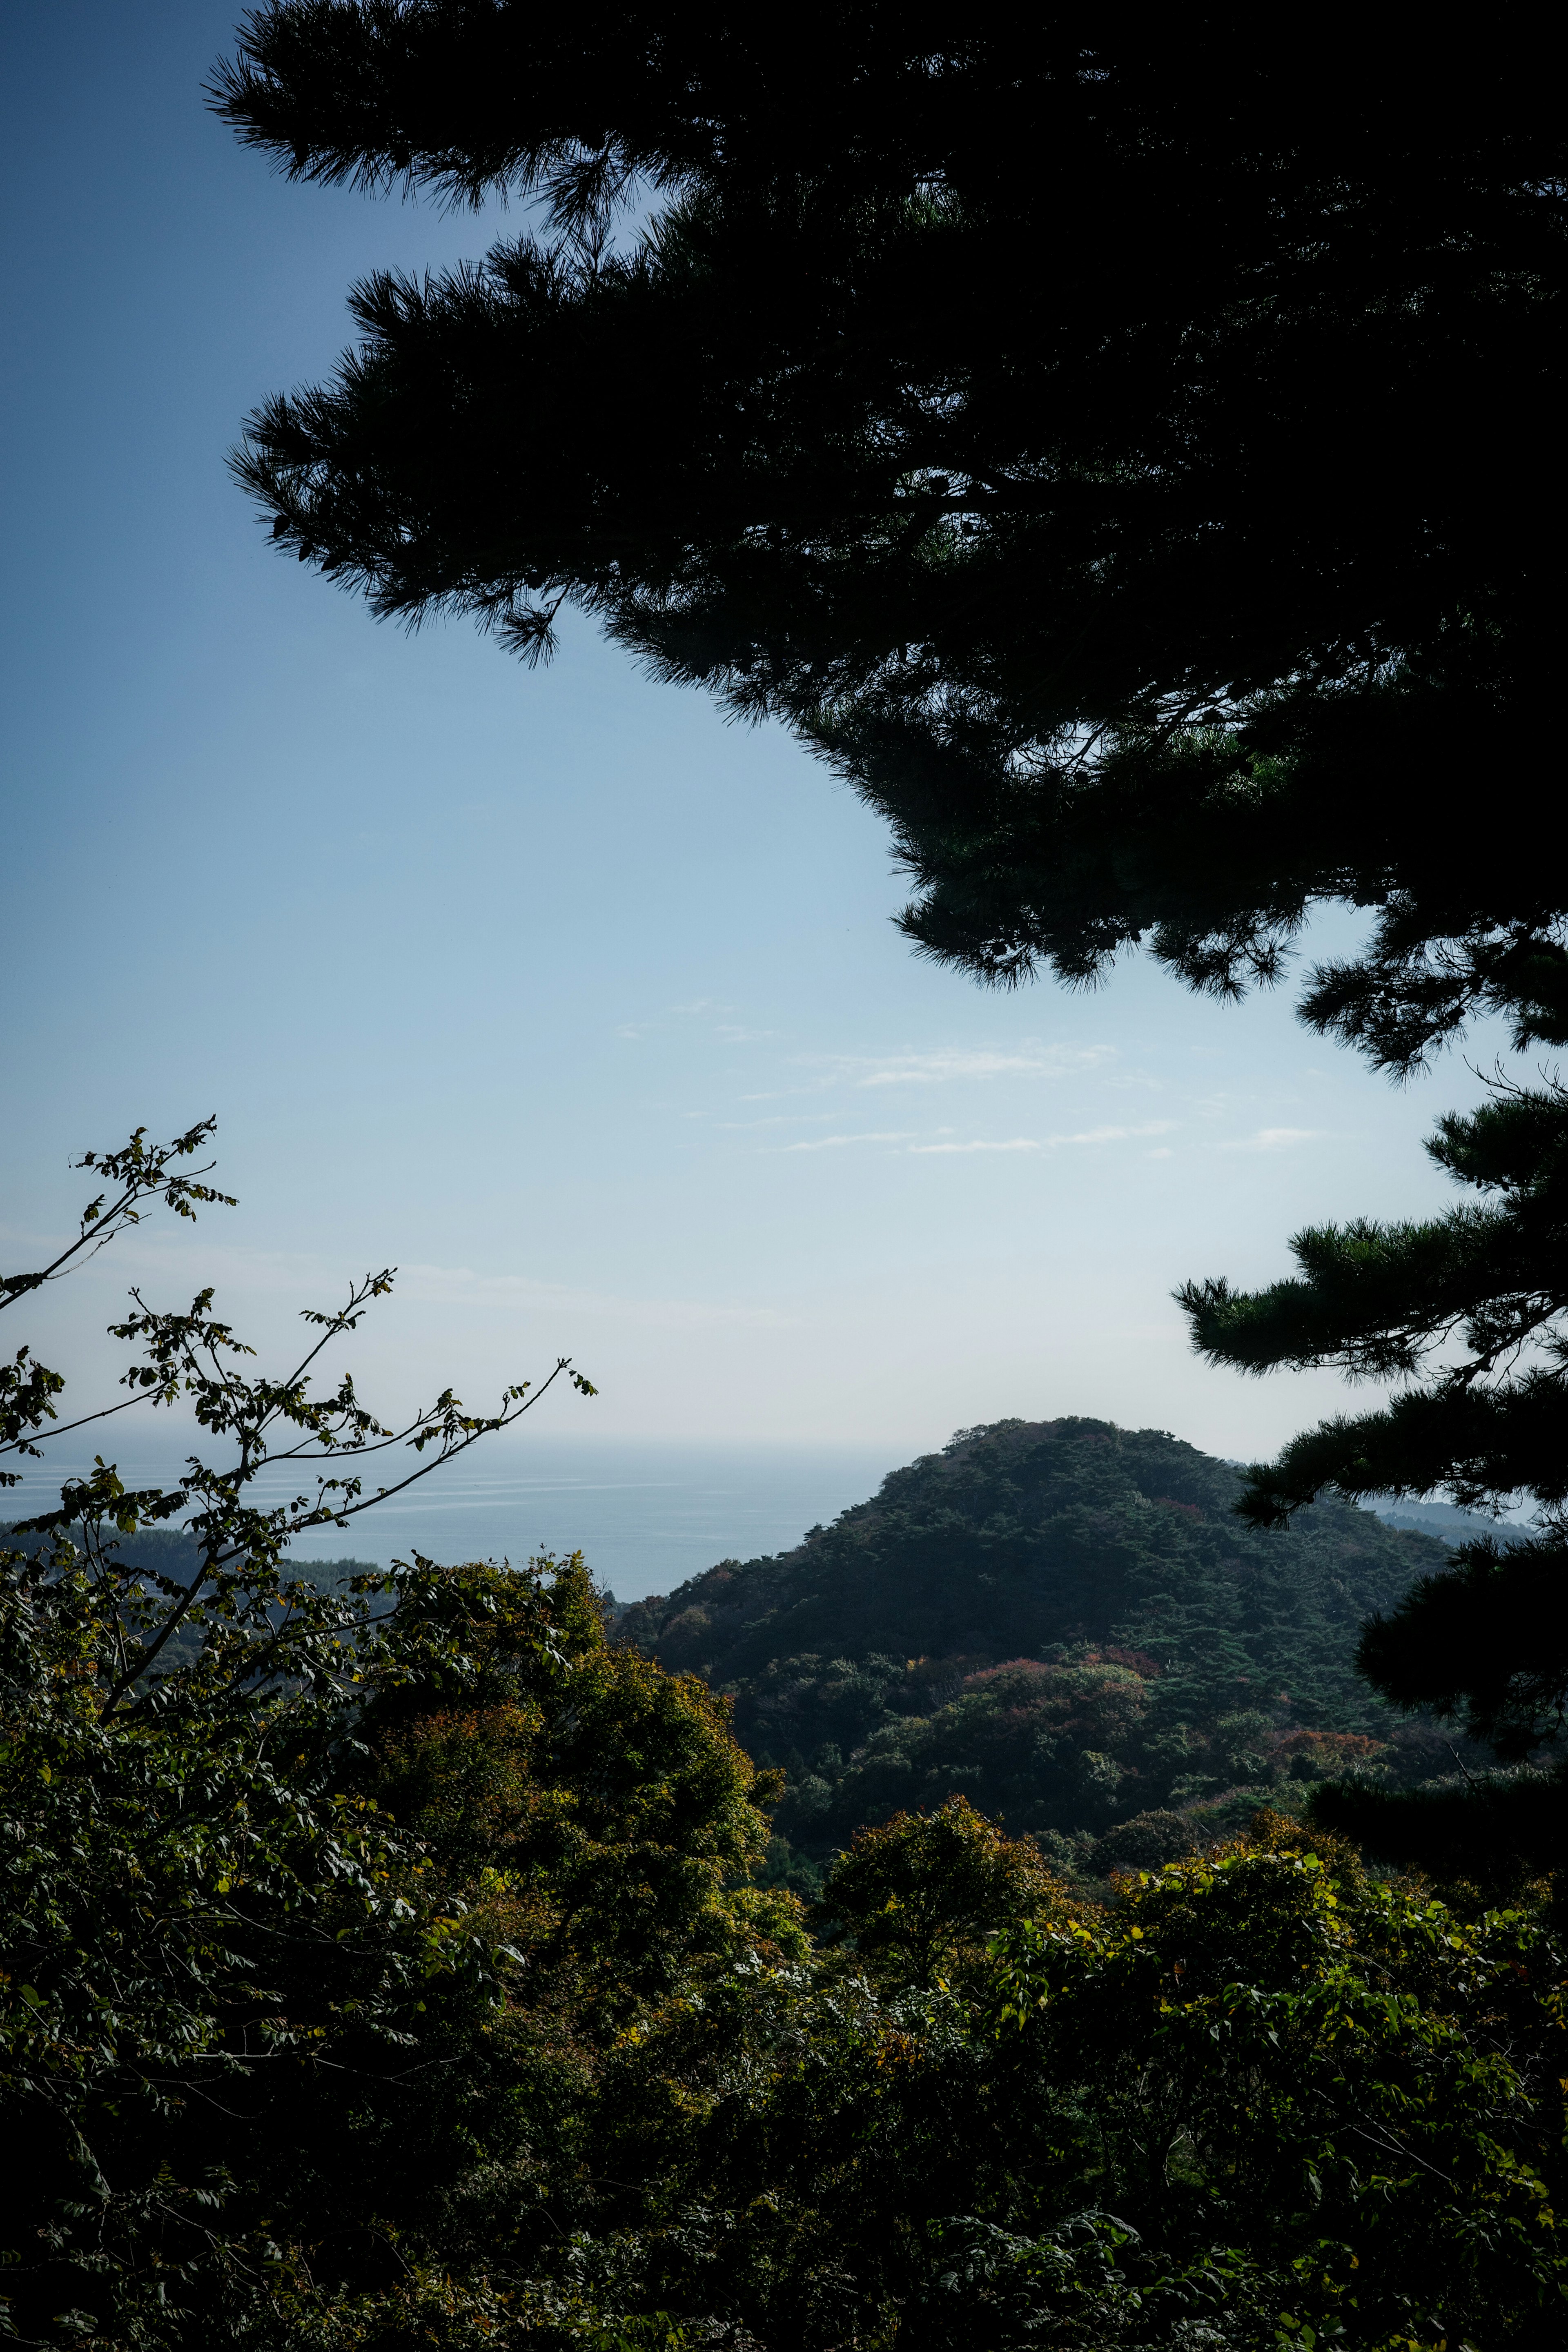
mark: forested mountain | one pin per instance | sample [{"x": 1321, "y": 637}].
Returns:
[
  {"x": 1064, "y": 1622},
  {"x": 1453, "y": 1527}
]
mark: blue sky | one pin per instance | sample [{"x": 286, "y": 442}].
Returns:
[{"x": 578, "y": 1004}]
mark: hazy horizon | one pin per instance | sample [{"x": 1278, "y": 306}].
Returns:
[{"x": 647, "y": 1514}]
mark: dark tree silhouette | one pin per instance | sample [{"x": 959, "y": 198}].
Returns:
[{"x": 1128, "y": 450}]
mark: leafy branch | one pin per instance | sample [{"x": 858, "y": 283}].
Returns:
[{"x": 252, "y": 1624}]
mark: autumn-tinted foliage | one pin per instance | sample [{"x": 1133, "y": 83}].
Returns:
[
  {"x": 385, "y": 1967},
  {"x": 280, "y": 1967},
  {"x": 446, "y": 2017}
]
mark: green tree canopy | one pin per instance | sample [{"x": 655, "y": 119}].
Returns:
[
  {"x": 303, "y": 1885},
  {"x": 926, "y": 1892},
  {"x": 1127, "y": 448},
  {"x": 1066, "y": 1622},
  {"x": 381, "y": 1973}
]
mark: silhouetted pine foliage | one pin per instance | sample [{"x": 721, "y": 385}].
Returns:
[
  {"x": 1467, "y": 1310},
  {"x": 1086, "y": 433},
  {"x": 1083, "y": 430}
]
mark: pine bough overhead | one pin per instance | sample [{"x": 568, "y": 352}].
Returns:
[
  {"x": 1130, "y": 452},
  {"x": 1468, "y": 1309},
  {"x": 1086, "y": 433}
]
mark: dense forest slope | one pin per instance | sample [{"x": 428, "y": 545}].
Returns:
[{"x": 1063, "y": 1620}]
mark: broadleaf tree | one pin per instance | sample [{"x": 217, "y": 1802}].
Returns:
[
  {"x": 380, "y": 1970},
  {"x": 201, "y": 1906}
]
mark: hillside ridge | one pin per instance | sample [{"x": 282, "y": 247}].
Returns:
[{"x": 1064, "y": 1621}]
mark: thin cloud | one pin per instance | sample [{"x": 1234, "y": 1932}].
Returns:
[
  {"x": 832, "y": 1142},
  {"x": 635, "y": 1029},
  {"x": 941, "y": 1067},
  {"x": 1033, "y": 1144},
  {"x": 950, "y": 1063},
  {"x": 1013, "y": 1143},
  {"x": 775, "y": 1118},
  {"x": 1119, "y": 1134},
  {"x": 1273, "y": 1139}
]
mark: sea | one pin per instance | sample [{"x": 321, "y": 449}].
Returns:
[{"x": 646, "y": 1514}]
